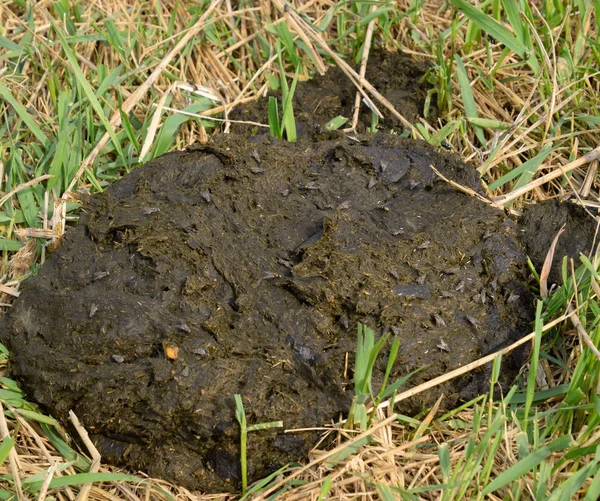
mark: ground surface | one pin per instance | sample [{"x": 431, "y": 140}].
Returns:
[{"x": 244, "y": 266}]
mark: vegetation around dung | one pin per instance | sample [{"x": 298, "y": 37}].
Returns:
[{"x": 88, "y": 90}]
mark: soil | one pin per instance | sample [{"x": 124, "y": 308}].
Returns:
[{"x": 243, "y": 267}]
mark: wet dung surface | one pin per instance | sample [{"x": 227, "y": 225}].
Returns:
[{"x": 243, "y": 267}]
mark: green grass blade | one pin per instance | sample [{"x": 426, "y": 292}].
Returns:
[
  {"x": 400, "y": 382},
  {"x": 5, "y": 448},
  {"x": 61, "y": 156},
  {"x": 265, "y": 426},
  {"x": 24, "y": 115},
  {"x": 10, "y": 245},
  {"x": 288, "y": 123},
  {"x": 488, "y": 123},
  {"x": 526, "y": 171},
  {"x": 575, "y": 481},
  {"x": 274, "y": 126},
  {"x": 29, "y": 207},
  {"x": 467, "y": 97},
  {"x": 491, "y": 26},
  {"x": 112, "y": 79},
  {"x": 10, "y": 384},
  {"x": 541, "y": 396},
  {"x": 386, "y": 492},
  {"x": 593, "y": 491},
  {"x": 335, "y": 123},
  {"x": 79, "y": 462},
  {"x": 445, "y": 466},
  {"x": 348, "y": 450},
  {"x": 372, "y": 358},
  {"x": 114, "y": 37},
  {"x": 535, "y": 358},
  {"x": 240, "y": 413},
  {"x": 524, "y": 466},
  {"x": 325, "y": 488},
  {"x": 80, "y": 479},
  {"x": 365, "y": 20},
  {"x": 441, "y": 135},
  {"x": 514, "y": 18},
  {"x": 87, "y": 88},
  {"x": 36, "y": 416},
  {"x": 388, "y": 369},
  {"x": 264, "y": 482},
  {"x": 527, "y": 464},
  {"x": 7, "y": 495},
  {"x": 170, "y": 128},
  {"x": 364, "y": 342},
  {"x": 11, "y": 395},
  {"x": 10, "y": 46},
  {"x": 282, "y": 31}
]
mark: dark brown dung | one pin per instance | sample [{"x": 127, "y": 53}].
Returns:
[
  {"x": 542, "y": 221},
  {"x": 244, "y": 267}
]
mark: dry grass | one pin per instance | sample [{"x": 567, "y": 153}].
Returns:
[{"x": 226, "y": 52}]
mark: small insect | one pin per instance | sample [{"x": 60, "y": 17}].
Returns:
[
  {"x": 425, "y": 245},
  {"x": 344, "y": 320},
  {"x": 118, "y": 358},
  {"x": 439, "y": 320},
  {"x": 100, "y": 274},
  {"x": 460, "y": 286},
  {"x": 182, "y": 326},
  {"x": 451, "y": 271},
  {"x": 257, "y": 170},
  {"x": 270, "y": 275},
  {"x": 255, "y": 155},
  {"x": 206, "y": 195},
  {"x": 443, "y": 346},
  {"x": 471, "y": 320},
  {"x": 284, "y": 262},
  {"x": 93, "y": 309},
  {"x": 150, "y": 210},
  {"x": 446, "y": 146}
]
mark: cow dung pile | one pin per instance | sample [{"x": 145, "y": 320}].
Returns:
[{"x": 244, "y": 267}]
